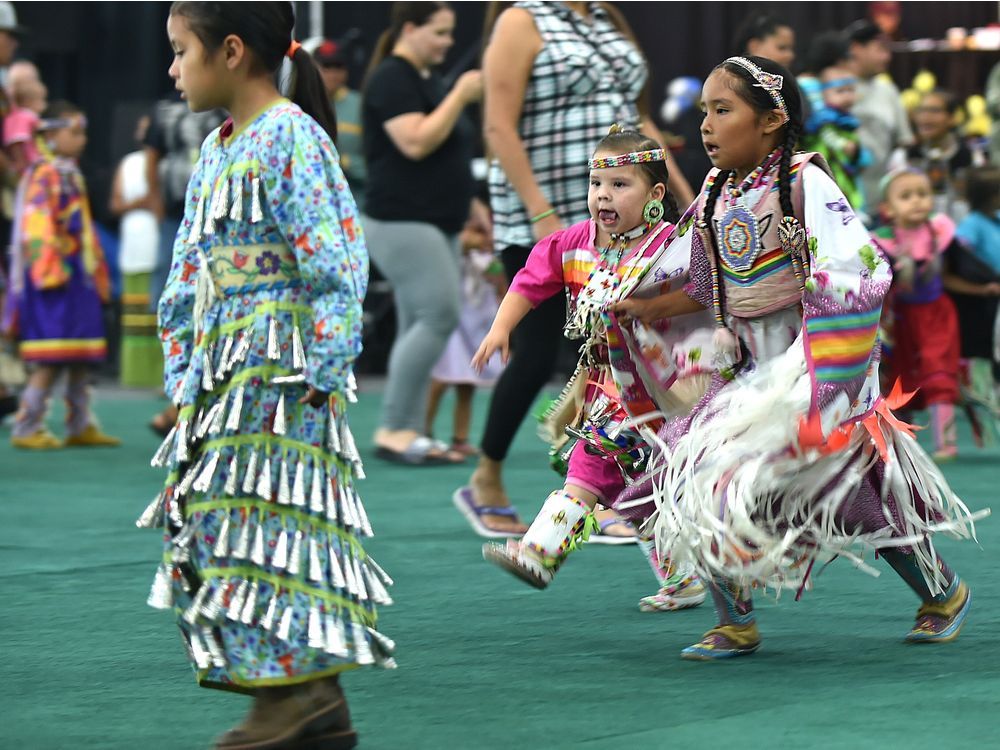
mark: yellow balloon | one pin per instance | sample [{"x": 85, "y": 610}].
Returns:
[
  {"x": 924, "y": 81},
  {"x": 975, "y": 105},
  {"x": 910, "y": 99}
]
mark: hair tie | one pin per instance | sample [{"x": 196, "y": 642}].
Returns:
[{"x": 292, "y": 49}]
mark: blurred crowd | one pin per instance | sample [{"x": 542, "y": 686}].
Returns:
[{"x": 458, "y": 177}]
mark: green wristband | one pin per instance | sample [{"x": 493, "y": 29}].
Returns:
[{"x": 542, "y": 215}]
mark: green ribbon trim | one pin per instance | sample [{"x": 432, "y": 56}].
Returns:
[
  {"x": 246, "y": 321},
  {"x": 359, "y": 612},
  {"x": 285, "y": 511},
  {"x": 270, "y": 440}
]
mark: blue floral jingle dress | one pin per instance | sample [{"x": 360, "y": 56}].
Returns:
[{"x": 263, "y": 561}]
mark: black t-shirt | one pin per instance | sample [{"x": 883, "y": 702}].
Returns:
[{"x": 438, "y": 188}]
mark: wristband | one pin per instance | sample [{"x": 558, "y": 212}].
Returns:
[{"x": 542, "y": 215}]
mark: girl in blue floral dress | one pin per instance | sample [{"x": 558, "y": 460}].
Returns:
[{"x": 261, "y": 322}]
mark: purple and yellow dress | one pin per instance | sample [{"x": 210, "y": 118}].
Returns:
[
  {"x": 58, "y": 277},
  {"x": 263, "y": 558}
]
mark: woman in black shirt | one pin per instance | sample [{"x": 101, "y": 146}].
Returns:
[{"x": 419, "y": 150}]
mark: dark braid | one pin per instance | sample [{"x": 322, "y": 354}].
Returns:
[
  {"x": 671, "y": 213},
  {"x": 709, "y": 239},
  {"x": 785, "y": 168}
]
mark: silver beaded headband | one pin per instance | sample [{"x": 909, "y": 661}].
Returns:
[
  {"x": 636, "y": 157},
  {"x": 54, "y": 123},
  {"x": 770, "y": 82}
]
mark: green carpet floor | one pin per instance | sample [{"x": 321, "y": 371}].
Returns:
[{"x": 485, "y": 662}]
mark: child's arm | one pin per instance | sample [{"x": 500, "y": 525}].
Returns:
[
  {"x": 512, "y": 310},
  {"x": 655, "y": 308}
]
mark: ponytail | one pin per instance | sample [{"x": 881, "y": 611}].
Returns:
[
  {"x": 308, "y": 92},
  {"x": 386, "y": 41}
]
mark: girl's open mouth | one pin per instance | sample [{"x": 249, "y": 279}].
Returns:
[{"x": 607, "y": 217}]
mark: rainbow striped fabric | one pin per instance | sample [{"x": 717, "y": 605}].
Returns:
[
  {"x": 766, "y": 264},
  {"x": 838, "y": 347}
]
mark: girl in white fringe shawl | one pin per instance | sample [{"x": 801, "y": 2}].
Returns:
[{"x": 793, "y": 456}]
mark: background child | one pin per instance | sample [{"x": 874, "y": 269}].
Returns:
[
  {"x": 483, "y": 285},
  {"x": 30, "y": 99},
  {"x": 972, "y": 278},
  {"x": 598, "y": 262},
  {"x": 59, "y": 280},
  {"x": 939, "y": 152},
  {"x": 924, "y": 329},
  {"x": 776, "y": 468},
  {"x": 834, "y": 131},
  {"x": 263, "y": 564},
  {"x": 132, "y": 201}
]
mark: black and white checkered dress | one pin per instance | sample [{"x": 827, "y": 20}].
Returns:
[{"x": 586, "y": 77}]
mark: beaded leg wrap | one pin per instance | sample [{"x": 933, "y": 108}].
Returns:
[
  {"x": 563, "y": 522},
  {"x": 31, "y": 416},
  {"x": 680, "y": 588},
  {"x": 736, "y": 634}
]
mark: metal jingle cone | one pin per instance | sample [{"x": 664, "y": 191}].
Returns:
[
  {"x": 336, "y": 639},
  {"x": 336, "y": 573},
  {"x": 221, "y": 548},
  {"x": 152, "y": 516},
  {"x": 359, "y": 508},
  {"x": 184, "y": 487},
  {"x": 236, "y": 211},
  {"x": 346, "y": 506},
  {"x": 316, "y": 490},
  {"x": 273, "y": 349},
  {"x": 204, "y": 480},
  {"x": 333, "y": 435},
  {"x": 362, "y": 651},
  {"x": 236, "y": 409},
  {"x": 195, "y": 235},
  {"x": 162, "y": 455},
  {"x": 250, "y": 606},
  {"x": 212, "y": 609},
  {"x": 207, "y": 382},
  {"x": 348, "y": 563},
  {"x": 285, "y": 626},
  {"x": 227, "y": 347},
  {"x": 298, "y": 351},
  {"x": 233, "y": 476},
  {"x": 250, "y": 478},
  {"x": 331, "y": 500},
  {"x": 279, "y": 559},
  {"x": 174, "y": 510},
  {"x": 222, "y": 199},
  {"x": 317, "y": 639},
  {"x": 360, "y": 581},
  {"x": 214, "y": 649},
  {"x": 238, "y": 599},
  {"x": 241, "y": 350},
  {"x": 315, "y": 566},
  {"x": 351, "y": 389},
  {"x": 202, "y": 659},
  {"x": 384, "y": 643},
  {"x": 161, "y": 592},
  {"x": 381, "y": 573},
  {"x": 264, "y": 490},
  {"x": 256, "y": 214},
  {"x": 257, "y": 553},
  {"x": 295, "y": 556},
  {"x": 299, "y": 484},
  {"x": 280, "y": 426},
  {"x": 218, "y": 418},
  {"x": 242, "y": 548},
  {"x": 193, "y": 610},
  {"x": 205, "y": 420},
  {"x": 284, "y": 491},
  {"x": 183, "y": 451},
  {"x": 267, "y": 621},
  {"x": 380, "y": 594}
]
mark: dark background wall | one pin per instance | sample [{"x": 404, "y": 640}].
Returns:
[{"x": 112, "y": 57}]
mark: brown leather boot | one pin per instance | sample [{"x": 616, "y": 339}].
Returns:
[{"x": 281, "y": 718}]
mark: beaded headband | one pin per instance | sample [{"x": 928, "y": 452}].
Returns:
[
  {"x": 770, "y": 82},
  {"x": 54, "y": 123},
  {"x": 636, "y": 157}
]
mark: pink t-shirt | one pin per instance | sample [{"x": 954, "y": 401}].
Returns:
[{"x": 19, "y": 127}]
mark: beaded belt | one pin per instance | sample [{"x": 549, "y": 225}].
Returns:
[{"x": 253, "y": 265}]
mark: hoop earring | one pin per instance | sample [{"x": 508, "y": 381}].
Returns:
[{"x": 652, "y": 212}]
